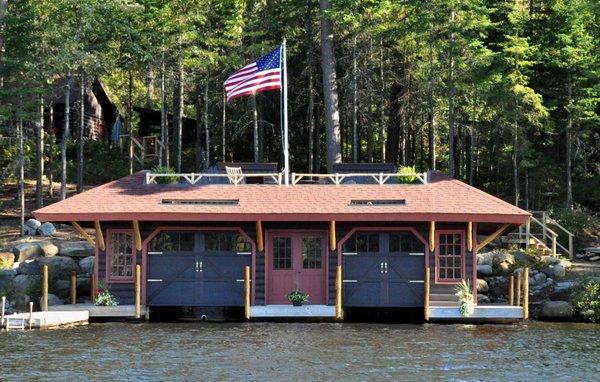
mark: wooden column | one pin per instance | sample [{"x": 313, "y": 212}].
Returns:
[
  {"x": 93, "y": 288},
  {"x": 30, "y": 314},
  {"x": 73, "y": 287},
  {"x": 511, "y": 290},
  {"x": 338, "y": 292},
  {"x": 247, "y": 292},
  {"x": 526, "y": 293},
  {"x": 470, "y": 236},
  {"x": 99, "y": 236},
  {"x": 83, "y": 234},
  {"x": 426, "y": 294},
  {"x": 518, "y": 290},
  {"x": 2, "y": 312},
  {"x": 431, "y": 236},
  {"x": 44, "y": 302},
  {"x": 137, "y": 236},
  {"x": 138, "y": 291},
  {"x": 332, "y": 239},
  {"x": 260, "y": 243}
]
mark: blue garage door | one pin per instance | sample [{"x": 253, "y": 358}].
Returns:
[{"x": 383, "y": 270}]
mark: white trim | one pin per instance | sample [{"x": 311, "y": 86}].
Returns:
[
  {"x": 416, "y": 254},
  {"x": 349, "y": 281},
  {"x": 154, "y": 280},
  {"x": 416, "y": 281},
  {"x": 349, "y": 253}
]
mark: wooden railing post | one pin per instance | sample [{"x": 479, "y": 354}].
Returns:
[
  {"x": 511, "y": 291},
  {"x": 73, "y": 287},
  {"x": 570, "y": 246},
  {"x": 93, "y": 288},
  {"x": 553, "y": 245},
  {"x": 528, "y": 233},
  {"x": 30, "y": 314},
  {"x": 2, "y": 312},
  {"x": 138, "y": 291},
  {"x": 518, "y": 289},
  {"x": 44, "y": 302},
  {"x": 247, "y": 292},
  {"x": 526, "y": 293},
  {"x": 426, "y": 294},
  {"x": 338, "y": 292}
]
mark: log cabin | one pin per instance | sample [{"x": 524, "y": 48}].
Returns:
[{"x": 351, "y": 241}]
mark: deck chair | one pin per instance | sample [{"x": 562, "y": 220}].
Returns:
[{"x": 234, "y": 174}]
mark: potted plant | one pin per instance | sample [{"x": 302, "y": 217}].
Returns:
[
  {"x": 297, "y": 298},
  {"x": 466, "y": 306},
  {"x": 104, "y": 297}
]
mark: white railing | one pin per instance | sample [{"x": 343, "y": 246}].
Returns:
[
  {"x": 545, "y": 235},
  {"x": 194, "y": 178},
  {"x": 337, "y": 178}
]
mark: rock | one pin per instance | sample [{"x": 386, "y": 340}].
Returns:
[
  {"x": 538, "y": 278},
  {"x": 549, "y": 259},
  {"x": 594, "y": 258},
  {"x": 87, "y": 265},
  {"x": 558, "y": 271},
  {"x": 31, "y": 227},
  {"x": 21, "y": 302},
  {"x": 75, "y": 249},
  {"x": 498, "y": 286},
  {"x": 48, "y": 248},
  {"x": 29, "y": 267},
  {"x": 6, "y": 278},
  {"x": 565, "y": 263},
  {"x": 522, "y": 258},
  {"x": 482, "y": 286},
  {"x": 518, "y": 270},
  {"x": 562, "y": 290},
  {"x": 53, "y": 300},
  {"x": 7, "y": 259},
  {"x": 484, "y": 270},
  {"x": 556, "y": 310},
  {"x": 46, "y": 229},
  {"x": 504, "y": 267},
  {"x": 58, "y": 266},
  {"x": 21, "y": 283},
  {"x": 485, "y": 258},
  {"x": 502, "y": 257},
  {"x": 27, "y": 251},
  {"x": 482, "y": 299}
]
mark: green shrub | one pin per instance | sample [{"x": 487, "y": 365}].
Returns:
[
  {"x": 403, "y": 177},
  {"x": 164, "y": 179},
  {"x": 586, "y": 299}
]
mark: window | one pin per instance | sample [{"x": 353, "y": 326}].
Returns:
[
  {"x": 282, "y": 253},
  {"x": 405, "y": 242},
  {"x": 450, "y": 256},
  {"x": 172, "y": 242},
  {"x": 311, "y": 252},
  {"x": 362, "y": 242},
  {"x": 226, "y": 242},
  {"x": 121, "y": 257}
]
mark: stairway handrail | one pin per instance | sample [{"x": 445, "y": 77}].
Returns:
[
  {"x": 554, "y": 222},
  {"x": 544, "y": 226}
]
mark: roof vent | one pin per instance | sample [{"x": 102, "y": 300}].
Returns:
[
  {"x": 203, "y": 202},
  {"x": 378, "y": 202}
]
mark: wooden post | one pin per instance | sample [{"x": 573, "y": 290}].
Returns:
[
  {"x": 247, "y": 292},
  {"x": 260, "y": 243},
  {"x": 83, "y": 234},
  {"x": 30, "y": 314},
  {"x": 553, "y": 245},
  {"x": 2, "y": 312},
  {"x": 426, "y": 294},
  {"x": 528, "y": 233},
  {"x": 518, "y": 289},
  {"x": 338, "y": 292},
  {"x": 431, "y": 236},
  {"x": 138, "y": 291},
  {"x": 470, "y": 236},
  {"x": 511, "y": 290},
  {"x": 332, "y": 240},
  {"x": 73, "y": 287},
  {"x": 570, "y": 246},
  {"x": 44, "y": 304},
  {"x": 137, "y": 236},
  {"x": 526, "y": 293},
  {"x": 99, "y": 236},
  {"x": 93, "y": 288}
]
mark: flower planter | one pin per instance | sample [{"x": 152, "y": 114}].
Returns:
[{"x": 296, "y": 303}]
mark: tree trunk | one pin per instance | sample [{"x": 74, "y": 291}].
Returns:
[
  {"x": 223, "y": 130},
  {"x": 569, "y": 144},
  {"x": 80, "y": 133},
  {"x": 318, "y": 139},
  {"x": 516, "y": 162},
  {"x": 3, "y": 6},
  {"x": 21, "y": 168},
  {"x": 65, "y": 137},
  {"x": 431, "y": 107},
  {"x": 51, "y": 151},
  {"x": 178, "y": 114},
  {"x": 254, "y": 128},
  {"x": 354, "y": 103},
  {"x": 311, "y": 96},
  {"x": 471, "y": 151},
  {"x": 382, "y": 104},
  {"x": 150, "y": 88},
  {"x": 39, "y": 184},
  {"x": 198, "y": 110},
  {"x": 129, "y": 127},
  {"x": 393, "y": 136},
  {"x": 451, "y": 93},
  {"x": 206, "y": 130},
  {"x": 163, "y": 158},
  {"x": 330, "y": 93}
]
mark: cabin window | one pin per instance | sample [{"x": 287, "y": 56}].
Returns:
[
  {"x": 282, "y": 253},
  {"x": 121, "y": 256},
  {"x": 405, "y": 242},
  {"x": 311, "y": 252},
  {"x": 450, "y": 256},
  {"x": 362, "y": 242},
  {"x": 226, "y": 242},
  {"x": 172, "y": 242}
]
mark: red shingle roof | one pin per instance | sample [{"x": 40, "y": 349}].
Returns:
[{"x": 442, "y": 199}]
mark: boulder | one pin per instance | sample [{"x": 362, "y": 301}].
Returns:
[
  {"x": 21, "y": 283},
  {"x": 7, "y": 259},
  {"x": 482, "y": 286},
  {"x": 75, "y": 249},
  {"x": 565, "y": 263},
  {"x": 27, "y": 251},
  {"x": 538, "y": 279},
  {"x": 549, "y": 259},
  {"x": 482, "y": 299},
  {"x": 556, "y": 310},
  {"x": 558, "y": 271},
  {"x": 562, "y": 290},
  {"x": 59, "y": 266},
  {"x": 6, "y": 278},
  {"x": 486, "y": 258},
  {"x": 31, "y": 227},
  {"x": 523, "y": 259},
  {"x": 503, "y": 257},
  {"x": 87, "y": 265},
  {"x": 498, "y": 286},
  {"x": 504, "y": 267},
  {"x": 46, "y": 229},
  {"x": 48, "y": 248},
  {"x": 518, "y": 270},
  {"x": 484, "y": 270},
  {"x": 53, "y": 300},
  {"x": 29, "y": 267},
  {"x": 21, "y": 302}
]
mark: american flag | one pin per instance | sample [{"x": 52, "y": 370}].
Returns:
[{"x": 264, "y": 74}]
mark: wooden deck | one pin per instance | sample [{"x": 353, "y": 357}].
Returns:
[
  {"x": 47, "y": 320},
  {"x": 119, "y": 311},
  {"x": 289, "y": 311},
  {"x": 485, "y": 313}
]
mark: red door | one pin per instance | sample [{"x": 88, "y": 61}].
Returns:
[{"x": 296, "y": 260}]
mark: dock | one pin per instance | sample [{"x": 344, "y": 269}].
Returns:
[
  {"x": 289, "y": 311},
  {"x": 482, "y": 313},
  {"x": 94, "y": 311},
  {"x": 46, "y": 320}
]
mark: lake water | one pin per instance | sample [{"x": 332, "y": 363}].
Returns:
[{"x": 304, "y": 351}]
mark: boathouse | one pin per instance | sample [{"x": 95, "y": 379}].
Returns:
[{"x": 350, "y": 240}]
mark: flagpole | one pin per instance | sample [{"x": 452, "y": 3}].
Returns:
[{"x": 286, "y": 154}]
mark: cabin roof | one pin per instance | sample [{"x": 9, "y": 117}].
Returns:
[{"x": 442, "y": 199}]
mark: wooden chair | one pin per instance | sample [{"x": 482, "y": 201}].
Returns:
[{"x": 234, "y": 174}]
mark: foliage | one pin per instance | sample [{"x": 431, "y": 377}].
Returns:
[
  {"x": 104, "y": 297},
  {"x": 297, "y": 297},
  {"x": 404, "y": 174},
  {"x": 34, "y": 289},
  {"x": 165, "y": 179},
  {"x": 466, "y": 305},
  {"x": 5, "y": 264},
  {"x": 576, "y": 221},
  {"x": 586, "y": 299}
]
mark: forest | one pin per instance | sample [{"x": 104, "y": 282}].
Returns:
[{"x": 502, "y": 94}]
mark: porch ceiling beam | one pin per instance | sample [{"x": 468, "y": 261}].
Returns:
[
  {"x": 99, "y": 236},
  {"x": 470, "y": 236},
  {"x": 137, "y": 236},
  {"x": 260, "y": 243},
  {"x": 332, "y": 238},
  {"x": 432, "y": 236},
  {"x": 83, "y": 234},
  {"x": 491, "y": 238}
]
